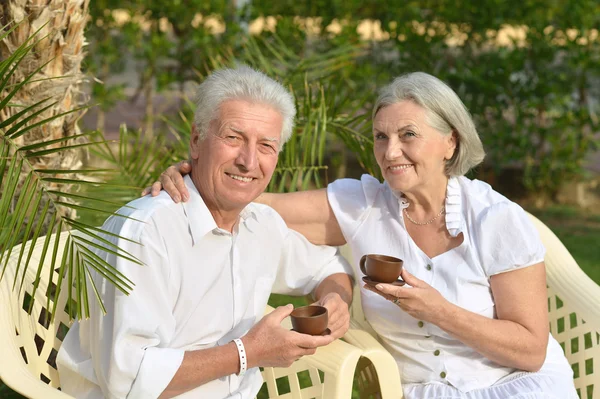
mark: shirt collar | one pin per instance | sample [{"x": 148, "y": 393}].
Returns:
[
  {"x": 454, "y": 216},
  {"x": 200, "y": 220}
]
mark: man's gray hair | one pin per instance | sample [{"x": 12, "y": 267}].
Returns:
[
  {"x": 242, "y": 83},
  {"x": 445, "y": 112}
]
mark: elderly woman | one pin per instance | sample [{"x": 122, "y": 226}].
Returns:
[{"x": 471, "y": 322}]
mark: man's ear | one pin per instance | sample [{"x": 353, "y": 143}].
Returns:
[{"x": 194, "y": 142}]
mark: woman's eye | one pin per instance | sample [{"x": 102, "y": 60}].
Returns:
[
  {"x": 410, "y": 134},
  {"x": 380, "y": 136}
]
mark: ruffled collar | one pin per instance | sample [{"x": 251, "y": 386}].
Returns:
[{"x": 454, "y": 216}]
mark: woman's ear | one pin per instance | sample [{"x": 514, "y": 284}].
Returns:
[{"x": 452, "y": 144}]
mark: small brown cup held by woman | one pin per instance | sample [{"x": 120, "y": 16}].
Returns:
[
  {"x": 381, "y": 268},
  {"x": 310, "y": 320}
]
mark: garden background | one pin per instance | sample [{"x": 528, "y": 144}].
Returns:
[{"x": 103, "y": 89}]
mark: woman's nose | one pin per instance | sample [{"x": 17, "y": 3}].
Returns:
[{"x": 393, "y": 150}]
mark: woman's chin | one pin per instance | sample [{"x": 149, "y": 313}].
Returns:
[{"x": 396, "y": 184}]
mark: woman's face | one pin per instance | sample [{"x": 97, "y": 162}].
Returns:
[{"x": 410, "y": 153}]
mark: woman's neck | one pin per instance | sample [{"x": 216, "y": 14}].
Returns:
[{"x": 428, "y": 199}]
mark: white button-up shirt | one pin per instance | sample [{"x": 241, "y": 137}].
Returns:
[
  {"x": 498, "y": 237},
  {"x": 200, "y": 287}
]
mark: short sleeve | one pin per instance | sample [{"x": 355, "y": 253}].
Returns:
[
  {"x": 303, "y": 265},
  {"x": 351, "y": 200},
  {"x": 508, "y": 239}
]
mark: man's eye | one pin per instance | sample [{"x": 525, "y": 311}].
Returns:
[
  {"x": 410, "y": 133},
  {"x": 380, "y": 136}
]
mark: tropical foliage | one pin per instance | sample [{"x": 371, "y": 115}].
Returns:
[{"x": 135, "y": 162}]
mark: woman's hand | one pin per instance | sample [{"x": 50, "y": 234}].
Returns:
[
  {"x": 420, "y": 300},
  {"x": 338, "y": 313},
  {"x": 171, "y": 180}
]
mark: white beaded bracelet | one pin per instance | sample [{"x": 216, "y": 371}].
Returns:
[{"x": 242, "y": 354}]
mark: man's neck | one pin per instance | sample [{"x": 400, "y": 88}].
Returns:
[{"x": 226, "y": 220}]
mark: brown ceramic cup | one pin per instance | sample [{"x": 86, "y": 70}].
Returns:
[
  {"x": 310, "y": 320},
  {"x": 381, "y": 268}
]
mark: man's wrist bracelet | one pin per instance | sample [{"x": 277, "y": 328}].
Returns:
[{"x": 242, "y": 354}]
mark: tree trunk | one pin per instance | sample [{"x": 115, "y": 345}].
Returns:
[{"x": 61, "y": 42}]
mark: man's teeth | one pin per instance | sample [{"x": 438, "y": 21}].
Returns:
[
  {"x": 400, "y": 167},
  {"x": 241, "y": 178}
]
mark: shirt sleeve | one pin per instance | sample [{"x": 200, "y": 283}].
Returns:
[
  {"x": 303, "y": 266},
  {"x": 508, "y": 239},
  {"x": 128, "y": 344},
  {"x": 350, "y": 200}
]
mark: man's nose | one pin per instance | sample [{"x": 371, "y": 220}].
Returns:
[{"x": 248, "y": 157}]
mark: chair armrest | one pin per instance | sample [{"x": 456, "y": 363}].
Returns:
[{"x": 383, "y": 362}]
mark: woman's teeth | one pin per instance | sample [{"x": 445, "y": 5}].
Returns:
[{"x": 400, "y": 167}]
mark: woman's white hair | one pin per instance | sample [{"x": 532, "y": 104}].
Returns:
[
  {"x": 242, "y": 83},
  {"x": 445, "y": 112}
]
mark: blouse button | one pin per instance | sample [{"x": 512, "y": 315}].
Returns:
[
  {"x": 436, "y": 353},
  {"x": 428, "y": 267},
  {"x": 421, "y": 324},
  {"x": 443, "y": 374}
]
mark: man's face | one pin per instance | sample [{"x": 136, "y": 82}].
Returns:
[{"x": 234, "y": 163}]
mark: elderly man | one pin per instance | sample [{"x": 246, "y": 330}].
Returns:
[{"x": 191, "y": 327}]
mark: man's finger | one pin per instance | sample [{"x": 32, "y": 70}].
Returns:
[
  {"x": 281, "y": 313},
  {"x": 146, "y": 191},
  {"x": 312, "y": 341}
]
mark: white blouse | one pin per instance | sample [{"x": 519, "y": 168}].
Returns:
[
  {"x": 200, "y": 287},
  {"x": 498, "y": 237}
]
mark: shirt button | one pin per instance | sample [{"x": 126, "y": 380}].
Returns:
[
  {"x": 421, "y": 324},
  {"x": 428, "y": 267},
  {"x": 436, "y": 353},
  {"x": 443, "y": 374}
]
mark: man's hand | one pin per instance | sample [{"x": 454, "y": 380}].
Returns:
[
  {"x": 171, "y": 180},
  {"x": 337, "y": 314},
  {"x": 270, "y": 345}
]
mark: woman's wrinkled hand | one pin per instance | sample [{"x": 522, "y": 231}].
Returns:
[
  {"x": 338, "y": 314},
  {"x": 418, "y": 299},
  {"x": 171, "y": 180}
]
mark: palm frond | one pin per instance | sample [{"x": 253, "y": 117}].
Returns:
[{"x": 35, "y": 200}]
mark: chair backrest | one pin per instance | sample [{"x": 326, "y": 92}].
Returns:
[
  {"x": 29, "y": 311},
  {"x": 573, "y": 312}
]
